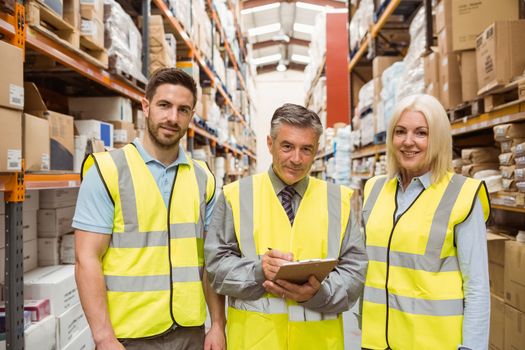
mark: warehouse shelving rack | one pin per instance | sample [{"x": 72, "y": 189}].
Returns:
[
  {"x": 512, "y": 112},
  {"x": 14, "y": 30}
]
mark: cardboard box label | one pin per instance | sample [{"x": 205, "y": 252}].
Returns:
[
  {"x": 45, "y": 161},
  {"x": 14, "y": 159},
  {"x": 120, "y": 135},
  {"x": 16, "y": 95}
]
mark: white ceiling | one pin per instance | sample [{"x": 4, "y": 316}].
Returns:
[{"x": 287, "y": 14}]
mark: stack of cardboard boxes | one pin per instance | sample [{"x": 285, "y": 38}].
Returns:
[
  {"x": 463, "y": 54},
  {"x": 92, "y": 21}
]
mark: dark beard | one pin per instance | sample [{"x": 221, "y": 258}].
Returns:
[{"x": 153, "y": 131}]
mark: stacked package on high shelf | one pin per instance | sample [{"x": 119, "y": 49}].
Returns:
[
  {"x": 228, "y": 25},
  {"x": 343, "y": 150},
  {"x": 391, "y": 81},
  {"x": 413, "y": 73},
  {"x": 182, "y": 11},
  {"x": 92, "y": 21},
  {"x": 159, "y": 49},
  {"x": 123, "y": 41},
  {"x": 379, "y": 65},
  {"x": 482, "y": 163},
  {"x": 316, "y": 50},
  {"x": 365, "y": 113},
  {"x": 360, "y": 23},
  {"x": 218, "y": 64},
  {"x": 512, "y": 159}
]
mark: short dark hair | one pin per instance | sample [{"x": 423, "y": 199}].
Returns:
[
  {"x": 174, "y": 76},
  {"x": 295, "y": 115}
]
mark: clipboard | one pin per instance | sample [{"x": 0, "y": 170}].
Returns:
[{"x": 299, "y": 271}]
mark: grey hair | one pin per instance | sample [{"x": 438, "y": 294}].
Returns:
[{"x": 295, "y": 115}]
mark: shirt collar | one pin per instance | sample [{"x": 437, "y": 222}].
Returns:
[
  {"x": 148, "y": 158},
  {"x": 425, "y": 179},
  {"x": 279, "y": 185}
]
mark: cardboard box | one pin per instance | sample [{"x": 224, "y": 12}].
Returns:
[
  {"x": 469, "y": 75},
  {"x": 93, "y": 29},
  {"x": 445, "y": 41},
  {"x": 41, "y": 335},
  {"x": 82, "y": 341},
  {"x": 67, "y": 249},
  {"x": 115, "y": 108},
  {"x": 36, "y": 143},
  {"x": 431, "y": 67},
  {"x": 514, "y": 328},
  {"x": 29, "y": 224},
  {"x": 61, "y": 129},
  {"x": 10, "y": 140},
  {"x": 497, "y": 322},
  {"x": 471, "y": 17},
  {"x": 48, "y": 251},
  {"x": 496, "y": 255},
  {"x": 57, "y": 283},
  {"x": 450, "y": 81},
  {"x": 69, "y": 324},
  {"x": 12, "y": 77},
  {"x": 96, "y": 129},
  {"x": 123, "y": 132},
  {"x": 514, "y": 276},
  {"x": 380, "y": 63},
  {"x": 500, "y": 54},
  {"x": 32, "y": 200},
  {"x": 58, "y": 198},
  {"x": 55, "y": 222},
  {"x": 443, "y": 15}
]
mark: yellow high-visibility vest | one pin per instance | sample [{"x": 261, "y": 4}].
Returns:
[
  {"x": 153, "y": 265},
  {"x": 413, "y": 296},
  {"x": 317, "y": 232}
]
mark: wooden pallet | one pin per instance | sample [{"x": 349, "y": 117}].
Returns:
[
  {"x": 91, "y": 48},
  {"x": 46, "y": 21},
  {"x": 467, "y": 110},
  {"x": 508, "y": 95},
  {"x": 125, "y": 76}
]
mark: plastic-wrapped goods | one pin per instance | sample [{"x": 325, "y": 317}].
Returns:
[
  {"x": 492, "y": 179},
  {"x": 457, "y": 164},
  {"x": 391, "y": 80},
  {"x": 317, "y": 49},
  {"x": 366, "y": 98},
  {"x": 519, "y": 151},
  {"x": 182, "y": 11},
  {"x": 343, "y": 149},
  {"x": 367, "y": 129},
  {"x": 414, "y": 73},
  {"x": 361, "y": 22},
  {"x": 122, "y": 40},
  {"x": 509, "y": 131},
  {"x": 507, "y": 171}
]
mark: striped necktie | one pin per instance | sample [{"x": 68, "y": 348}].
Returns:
[{"x": 286, "y": 200}]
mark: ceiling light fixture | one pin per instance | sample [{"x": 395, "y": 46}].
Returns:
[
  {"x": 270, "y": 28},
  {"x": 260, "y": 8},
  {"x": 306, "y": 6},
  {"x": 266, "y": 59},
  {"x": 300, "y": 58},
  {"x": 281, "y": 67},
  {"x": 303, "y": 28}
]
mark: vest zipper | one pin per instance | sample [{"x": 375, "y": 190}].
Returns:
[
  {"x": 388, "y": 255},
  {"x": 169, "y": 246}
]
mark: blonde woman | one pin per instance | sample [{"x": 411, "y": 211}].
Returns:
[{"x": 427, "y": 281}]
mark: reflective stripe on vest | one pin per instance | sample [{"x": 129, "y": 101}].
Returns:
[
  {"x": 140, "y": 283},
  {"x": 401, "y": 293},
  {"x": 260, "y": 222}
]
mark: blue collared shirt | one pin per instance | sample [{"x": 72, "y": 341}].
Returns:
[
  {"x": 471, "y": 241},
  {"x": 95, "y": 210}
]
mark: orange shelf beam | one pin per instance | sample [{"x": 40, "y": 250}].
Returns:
[
  {"x": 375, "y": 29},
  {"x": 71, "y": 59}
]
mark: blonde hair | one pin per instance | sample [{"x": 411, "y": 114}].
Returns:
[{"x": 439, "y": 152}]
